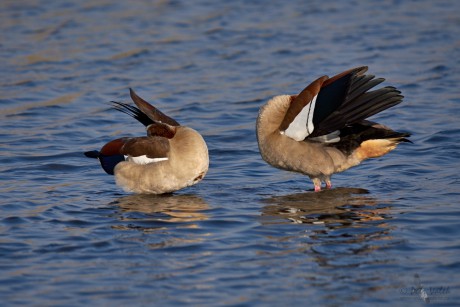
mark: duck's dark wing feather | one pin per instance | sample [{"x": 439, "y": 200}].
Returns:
[
  {"x": 330, "y": 104},
  {"x": 352, "y": 136},
  {"x": 149, "y": 110},
  {"x": 132, "y": 111},
  {"x": 347, "y": 100},
  {"x": 145, "y": 113}
]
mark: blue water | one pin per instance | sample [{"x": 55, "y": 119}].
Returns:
[{"x": 248, "y": 234}]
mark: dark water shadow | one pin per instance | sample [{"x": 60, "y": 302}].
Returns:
[
  {"x": 152, "y": 212},
  {"x": 335, "y": 207}
]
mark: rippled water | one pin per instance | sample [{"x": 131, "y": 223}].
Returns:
[{"x": 248, "y": 234}]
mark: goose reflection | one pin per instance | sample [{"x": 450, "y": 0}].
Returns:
[
  {"x": 344, "y": 226},
  {"x": 334, "y": 207},
  {"x": 150, "y": 212}
]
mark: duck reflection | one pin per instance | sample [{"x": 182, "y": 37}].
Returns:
[
  {"x": 338, "y": 206},
  {"x": 150, "y": 212},
  {"x": 344, "y": 225}
]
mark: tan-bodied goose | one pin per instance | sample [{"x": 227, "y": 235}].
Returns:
[
  {"x": 169, "y": 158},
  {"x": 323, "y": 130}
]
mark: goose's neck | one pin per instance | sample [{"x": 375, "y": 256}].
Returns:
[{"x": 271, "y": 115}]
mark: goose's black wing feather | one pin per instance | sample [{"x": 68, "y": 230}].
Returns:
[
  {"x": 345, "y": 99},
  {"x": 132, "y": 111}
]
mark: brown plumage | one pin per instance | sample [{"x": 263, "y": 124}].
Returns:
[{"x": 324, "y": 130}]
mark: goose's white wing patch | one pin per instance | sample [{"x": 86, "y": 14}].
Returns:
[
  {"x": 302, "y": 125},
  {"x": 145, "y": 160}
]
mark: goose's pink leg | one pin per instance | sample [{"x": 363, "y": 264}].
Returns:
[{"x": 317, "y": 183}]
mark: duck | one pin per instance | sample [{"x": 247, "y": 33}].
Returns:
[
  {"x": 169, "y": 158},
  {"x": 325, "y": 128}
]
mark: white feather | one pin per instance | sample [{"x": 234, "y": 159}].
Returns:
[
  {"x": 145, "y": 160},
  {"x": 332, "y": 137},
  {"x": 302, "y": 125}
]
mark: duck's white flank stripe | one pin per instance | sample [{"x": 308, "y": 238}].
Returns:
[
  {"x": 302, "y": 125},
  {"x": 145, "y": 160}
]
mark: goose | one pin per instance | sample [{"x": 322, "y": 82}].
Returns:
[
  {"x": 324, "y": 130},
  {"x": 171, "y": 157}
]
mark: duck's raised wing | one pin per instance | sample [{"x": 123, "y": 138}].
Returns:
[
  {"x": 153, "y": 113},
  {"x": 145, "y": 113},
  {"x": 330, "y": 104}
]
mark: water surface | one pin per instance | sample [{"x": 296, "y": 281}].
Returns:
[{"x": 248, "y": 234}]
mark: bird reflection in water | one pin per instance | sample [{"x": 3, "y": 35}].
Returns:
[
  {"x": 339, "y": 206},
  {"x": 344, "y": 225},
  {"x": 151, "y": 212}
]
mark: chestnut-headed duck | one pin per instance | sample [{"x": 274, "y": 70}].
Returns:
[
  {"x": 169, "y": 158},
  {"x": 323, "y": 130}
]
